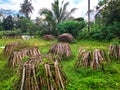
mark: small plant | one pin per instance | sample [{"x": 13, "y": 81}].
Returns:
[
  {"x": 45, "y": 60},
  {"x": 25, "y": 58},
  {"x": 1, "y": 34}
]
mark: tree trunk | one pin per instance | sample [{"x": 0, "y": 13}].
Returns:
[{"x": 88, "y": 15}]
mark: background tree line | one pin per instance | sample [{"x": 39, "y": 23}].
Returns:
[
  {"x": 58, "y": 20},
  {"x": 107, "y": 22}
]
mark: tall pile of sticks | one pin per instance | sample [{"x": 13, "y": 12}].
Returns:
[
  {"x": 18, "y": 56},
  {"x": 61, "y": 49},
  {"x": 88, "y": 59},
  {"x": 9, "y": 48},
  {"x": 114, "y": 51},
  {"x": 98, "y": 59},
  {"x": 17, "y": 51},
  {"x": 84, "y": 58},
  {"x": 37, "y": 74}
]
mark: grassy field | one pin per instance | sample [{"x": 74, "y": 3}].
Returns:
[{"x": 77, "y": 78}]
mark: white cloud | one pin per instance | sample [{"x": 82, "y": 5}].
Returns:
[
  {"x": 12, "y": 4},
  {"x": 38, "y": 4}
]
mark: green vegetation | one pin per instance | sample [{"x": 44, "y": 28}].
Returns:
[
  {"x": 72, "y": 27},
  {"x": 77, "y": 78},
  {"x": 58, "y": 20},
  {"x": 26, "y": 8},
  {"x": 55, "y": 16}
]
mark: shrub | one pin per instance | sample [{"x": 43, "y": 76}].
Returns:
[
  {"x": 83, "y": 34},
  {"x": 12, "y": 33},
  {"x": 107, "y": 32},
  {"x": 1, "y": 34},
  {"x": 72, "y": 27}
]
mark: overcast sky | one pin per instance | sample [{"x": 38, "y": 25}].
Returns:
[{"x": 38, "y": 4}]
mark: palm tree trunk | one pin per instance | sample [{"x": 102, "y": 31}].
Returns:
[{"x": 88, "y": 15}]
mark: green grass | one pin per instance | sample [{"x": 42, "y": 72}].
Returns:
[{"x": 77, "y": 78}]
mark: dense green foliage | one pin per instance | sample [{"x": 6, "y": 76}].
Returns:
[
  {"x": 108, "y": 20},
  {"x": 110, "y": 13},
  {"x": 21, "y": 25},
  {"x": 24, "y": 24},
  {"x": 58, "y": 21},
  {"x": 108, "y": 32},
  {"x": 8, "y": 23},
  {"x": 107, "y": 23},
  {"x": 70, "y": 26},
  {"x": 10, "y": 33}
]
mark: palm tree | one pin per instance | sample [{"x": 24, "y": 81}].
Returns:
[
  {"x": 57, "y": 14},
  {"x": 26, "y": 8}
]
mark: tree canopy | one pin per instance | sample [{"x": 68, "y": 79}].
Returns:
[
  {"x": 26, "y": 8},
  {"x": 111, "y": 11}
]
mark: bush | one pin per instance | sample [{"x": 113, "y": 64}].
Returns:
[
  {"x": 83, "y": 34},
  {"x": 1, "y": 34},
  {"x": 11, "y": 33},
  {"x": 108, "y": 32},
  {"x": 39, "y": 33},
  {"x": 72, "y": 27}
]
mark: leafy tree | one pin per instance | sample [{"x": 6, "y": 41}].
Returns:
[
  {"x": 26, "y": 8},
  {"x": 110, "y": 13},
  {"x": 1, "y": 27},
  {"x": 8, "y": 23},
  {"x": 41, "y": 29},
  {"x": 107, "y": 32},
  {"x": 56, "y": 15},
  {"x": 24, "y": 24},
  {"x": 108, "y": 18}
]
